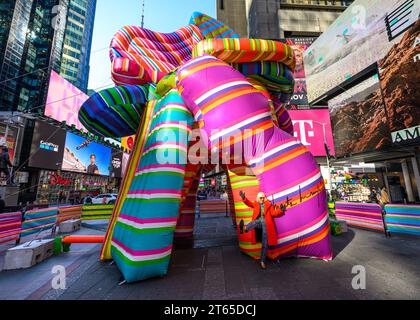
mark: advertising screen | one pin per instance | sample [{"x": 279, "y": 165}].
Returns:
[
  {"x": 309, "y": 129},
  {"x": 359, "y": 120},
  {"x": 12, "y": 133},
  {"x": 299, "y": 45},
  {"x": 64, "y": 101},
  {"x": 360, "y": 37},
  {"x": 85, "y": 156},
  {"x": 116, "y": 163},
  {"x": 47, "y": 146},
  {"x": 400, "y": 82}
]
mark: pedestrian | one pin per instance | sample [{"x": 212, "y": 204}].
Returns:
[
  {"x": 384, "y": 200},
  {"x": 5, "y": 163},
  {"x": 2, "y": 205},
  {"x": 262, "y": 218},
  {"x": 373, "y": 195}
]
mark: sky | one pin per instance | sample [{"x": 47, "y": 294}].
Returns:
[{"x": 111, "y": 15}]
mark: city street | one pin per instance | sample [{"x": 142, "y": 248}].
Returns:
[{"x": 215, "y": 269}]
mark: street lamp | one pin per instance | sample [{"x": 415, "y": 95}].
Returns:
[{"x": 327, "y": 149}]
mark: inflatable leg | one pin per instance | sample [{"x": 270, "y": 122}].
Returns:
[{"x": 226, "y": 103}]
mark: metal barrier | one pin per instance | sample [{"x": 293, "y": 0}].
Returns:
[
  {"x": 97, "y": 212},
  {"x": 363, "y": 215},
  {"x": 213, "y": 207},
  {"x": 403, "y": 218},
  {"x": 10, "y": 226}
]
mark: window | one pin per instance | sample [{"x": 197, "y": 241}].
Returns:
[{"x": 222, "y": 4}]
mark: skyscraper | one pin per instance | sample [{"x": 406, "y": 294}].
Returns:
[
  {"x": 31, "y": 37},
  {"x": 234, "y": 14},
  {"x": 77, "y": 42}
]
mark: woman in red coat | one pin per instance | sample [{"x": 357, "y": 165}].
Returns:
[{"x": 262, "y": 218}]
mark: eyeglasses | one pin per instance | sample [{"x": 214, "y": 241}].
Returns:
[{"x": 262, "y": 198}]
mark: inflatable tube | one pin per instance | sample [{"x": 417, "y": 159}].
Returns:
[
  {"x": 276, "y": 77},
  {"x": 223, "y": 99},
  {"x": 83, "y": 239},
  {"x": 211, "y": 28},
  {"x": 142, "y": 56},
  {"x": 142, "y": 237},
  {"x": 116, "y": 112},
  {"x": 246, "y": 50}
]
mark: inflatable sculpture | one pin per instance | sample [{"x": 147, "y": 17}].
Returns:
[{"x": 204, "y": 77}]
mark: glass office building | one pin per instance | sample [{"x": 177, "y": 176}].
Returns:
[
  {"x": 31, "y": 44},
  {"x": 77, "y": 42}
]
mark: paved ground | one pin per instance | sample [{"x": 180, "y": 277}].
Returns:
[{"x": 213, "y": 268}]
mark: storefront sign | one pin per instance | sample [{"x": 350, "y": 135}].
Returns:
[
  {"x": 58, "y": 180},
  {"x": 409, "y": 135},
  {"x": 11, "y": 140},
  {"x": 309, "y": 129}
]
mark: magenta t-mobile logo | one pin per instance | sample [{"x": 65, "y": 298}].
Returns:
[{"x": 304, "y": 129}]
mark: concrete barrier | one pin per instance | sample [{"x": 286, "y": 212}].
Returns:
[
  {"x": 70, "y": 226},
  {"x": 28, "y": 254}
]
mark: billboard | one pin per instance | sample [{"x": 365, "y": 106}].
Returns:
[
  {"x": 400, "y": 82},
  {"x": 64, "y": 101},
  {"x": 299, "y": 98},
  {"x": 360, "y": 37},
  {"x": 359, "y": 119},
  {"x": 311, "y": 128},
  {"x": 47, "y": 146},
  {"x": 85, "y": 156}
]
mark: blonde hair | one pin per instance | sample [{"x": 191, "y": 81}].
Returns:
[{"x": 260, "y": 195}]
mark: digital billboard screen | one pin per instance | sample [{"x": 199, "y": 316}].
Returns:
[
  {"x": 64, "y": 101},
  {"x": 85, "y": 156},
  {"x": 47, "y": 146},
  {"x": 359, "y": 119},
  {"x": 360, "y": 37},
  {"x": 400, "y": 82},
  {"x": 299, "y": 98}
]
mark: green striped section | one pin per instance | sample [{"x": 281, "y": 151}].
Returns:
[{"x": 97, "y": 212}]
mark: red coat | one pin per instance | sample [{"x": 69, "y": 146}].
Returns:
[{"x": 270, "y": 211}]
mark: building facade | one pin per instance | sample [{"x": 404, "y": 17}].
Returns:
[
  {"x": 234, "y": 13},
  {"x": 31, "y": 45},
  {"x": 279, "y": 19},
  {"x": 77, "y": 42}
]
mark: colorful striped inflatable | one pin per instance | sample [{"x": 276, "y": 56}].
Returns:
[
  {"x": 128, "y": 178},
  {"x": 141, "y": 56},
  {"x": 10, "y": 226},
  {"x": 403, "y": 218},
  {"x": 143, "y": 235},
  {"x": 363, "y": 215},
  {"x": 186, "y": 217},
  {"x": 211, "y": 28},
  {"x": 247, "y": 50},
  {"x": 157, "y": 200},
  {"x": 248, "y": 184},
  {"x": 287, "y": 171},
  {"x": 116, "y": 112}
]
